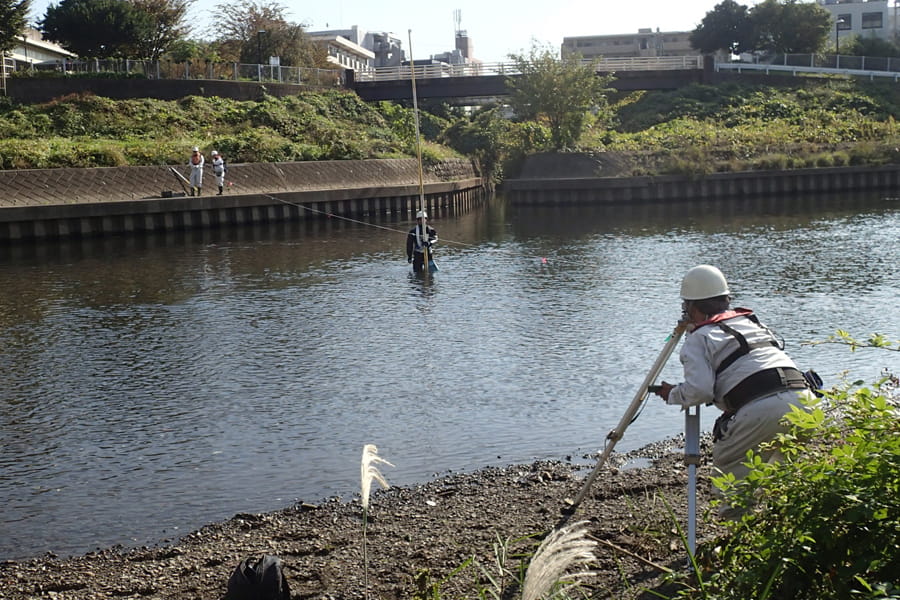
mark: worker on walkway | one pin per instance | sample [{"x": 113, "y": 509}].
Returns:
[
  {"x": 196, "y": 165},
  {"x": 219, "y": 169}
]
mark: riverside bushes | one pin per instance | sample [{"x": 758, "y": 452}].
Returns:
[
  {"x": 826, "y": 520},
  {"x": 692, "y": 131}
]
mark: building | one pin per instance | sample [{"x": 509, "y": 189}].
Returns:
[
  {"x": 644, "y": 43},
  {"x": 463, "y": 54},
  {"x": 386, "y": 48},
  {"x": 343, "y": 52},
  {"x": 876, "y": 18},
  {"x": 32, "y": 49}
]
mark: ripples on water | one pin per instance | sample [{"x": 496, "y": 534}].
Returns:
[{"x": 154, "y": 384}]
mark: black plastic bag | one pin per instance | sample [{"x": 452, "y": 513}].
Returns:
[{"x": 258, "y": 579}]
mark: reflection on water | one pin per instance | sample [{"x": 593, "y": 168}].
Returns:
[{"x": 155, "y": 383}]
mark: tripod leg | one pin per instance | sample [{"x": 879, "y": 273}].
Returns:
[{"x": 616, "y": 434}]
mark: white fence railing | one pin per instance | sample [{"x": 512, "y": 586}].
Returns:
[
  {"x": 7, "y": 66},
  {"x": 167, "y": 69},
  {"x": 437, "y": 70},
  {"x": 858, "y": 66}
]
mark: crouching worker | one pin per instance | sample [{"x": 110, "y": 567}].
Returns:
[
  {"x": 732, "y": 360},
  {"x": 420, "y": 238}
]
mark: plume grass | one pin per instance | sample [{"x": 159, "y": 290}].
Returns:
[
  {"x": 563, "y": 549},
  {"x": 369, "y": 472}
]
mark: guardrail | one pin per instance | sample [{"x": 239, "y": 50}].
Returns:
[
  {"x": 835, "y": 64},
  {"x": 432, "y": 71},
  {"x": 200, "y": 69}
]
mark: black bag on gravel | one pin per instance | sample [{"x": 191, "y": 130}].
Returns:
[{"x": 258, "y": 578}]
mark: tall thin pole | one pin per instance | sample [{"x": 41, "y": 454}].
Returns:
[
  {"x": 421, "y": 229},
  {"x": 692, "y": 460}
]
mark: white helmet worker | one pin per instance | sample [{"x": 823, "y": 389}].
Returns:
[
  {"x": 421, "y": 215},
  {"x": 702, "y": 282}
]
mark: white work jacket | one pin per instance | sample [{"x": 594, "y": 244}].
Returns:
[{"x": 705, "y": 348}]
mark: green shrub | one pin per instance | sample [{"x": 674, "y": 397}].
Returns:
[{"x": 825, "y": 522}]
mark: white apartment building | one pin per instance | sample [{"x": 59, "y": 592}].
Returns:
[
  {"x": 343, "y": 52},
  {"x": 644, "y": 43},
  {"x": 386, "y": 48},
  {"x": 876, "y": 18}
]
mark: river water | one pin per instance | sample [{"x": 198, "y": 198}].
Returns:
[{"x": 153, "y": 384}]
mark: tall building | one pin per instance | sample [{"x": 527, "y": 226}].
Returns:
[{"x": 644, "y": 43}]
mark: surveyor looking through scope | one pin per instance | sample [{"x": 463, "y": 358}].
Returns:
[{"x": 732, "y": 360}]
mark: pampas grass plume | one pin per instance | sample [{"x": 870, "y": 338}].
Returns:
[
  {"x": 369, "y": 471},
  {"x": 558, "y": 552}
]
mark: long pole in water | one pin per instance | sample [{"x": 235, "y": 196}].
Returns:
[
  {"x": 616, "y": 434},
  {"x": 421, "y": 229}
]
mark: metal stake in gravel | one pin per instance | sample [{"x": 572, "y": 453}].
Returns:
[{"x": 628, "y": 418}]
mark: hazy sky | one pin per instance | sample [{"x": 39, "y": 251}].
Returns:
[{"x": 496, "y": 28}]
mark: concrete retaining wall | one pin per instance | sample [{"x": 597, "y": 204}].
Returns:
[
  {"x": 611, "y": 190},
  {"x": 48, "y": 203}
]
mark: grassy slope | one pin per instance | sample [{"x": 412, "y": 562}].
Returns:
[
  {"x": 90, "y": 131},
  {"x": 729, "y": 127},
  {"x": 693, "y": 130}
]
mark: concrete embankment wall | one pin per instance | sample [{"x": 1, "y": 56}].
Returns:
[
  {"x": 49, "y": 203},
  {"x": 717, "y": 186}
]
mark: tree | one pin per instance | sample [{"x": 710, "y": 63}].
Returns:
[
  {"x": 869, "y": 46},
  {"x": 97, "y": 28},
  {"x": 791, "y": 27},
  {"x": 728, "y": 23},
  {"x": 250, "y": 31},
  {"x": 13, "y": 18},
  {"x": 168, "y": 19},
  {"x": 560, "y": 93}
]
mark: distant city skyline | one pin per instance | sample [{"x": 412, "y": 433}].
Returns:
[{"x": 495, "y": 29}]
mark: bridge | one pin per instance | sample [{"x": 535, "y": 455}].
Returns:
[
  {"x": 472, "y": 82},
  {"x": 488, "y": 80}
]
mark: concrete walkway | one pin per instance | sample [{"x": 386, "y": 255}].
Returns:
[{"x": 55, "y": 187}]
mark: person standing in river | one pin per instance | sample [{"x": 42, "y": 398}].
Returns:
[
  {"x": 420, "y": 238},
  {"x": 732, "y": 360},
  {"x": 196, "y": 165}
]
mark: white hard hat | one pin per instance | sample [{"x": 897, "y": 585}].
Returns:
[
  {"x": 195, "y": 149},
  {"x": 702, "y": 282},
  {"x": 421, "y": 214},
  {"x": 214, "y": 153}
]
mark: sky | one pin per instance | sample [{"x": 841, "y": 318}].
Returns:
[{"x": 496, "y": 28}]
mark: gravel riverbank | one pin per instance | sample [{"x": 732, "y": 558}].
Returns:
[{"x": 416, "y": 537}]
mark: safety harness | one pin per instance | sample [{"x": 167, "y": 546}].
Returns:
[
  {"x": 744, "y": 347},
  {"x": 761, "y": 383}
]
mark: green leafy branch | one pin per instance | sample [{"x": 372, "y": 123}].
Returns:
[{"x": 875, "y": 340}]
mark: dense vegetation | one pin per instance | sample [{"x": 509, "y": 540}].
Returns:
[
  {"x": 825, "y": 522},
  {"x": 694, "y": 130},
  {"x": 91, "y": 131},
  {"x": 732, "y": 127}
]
